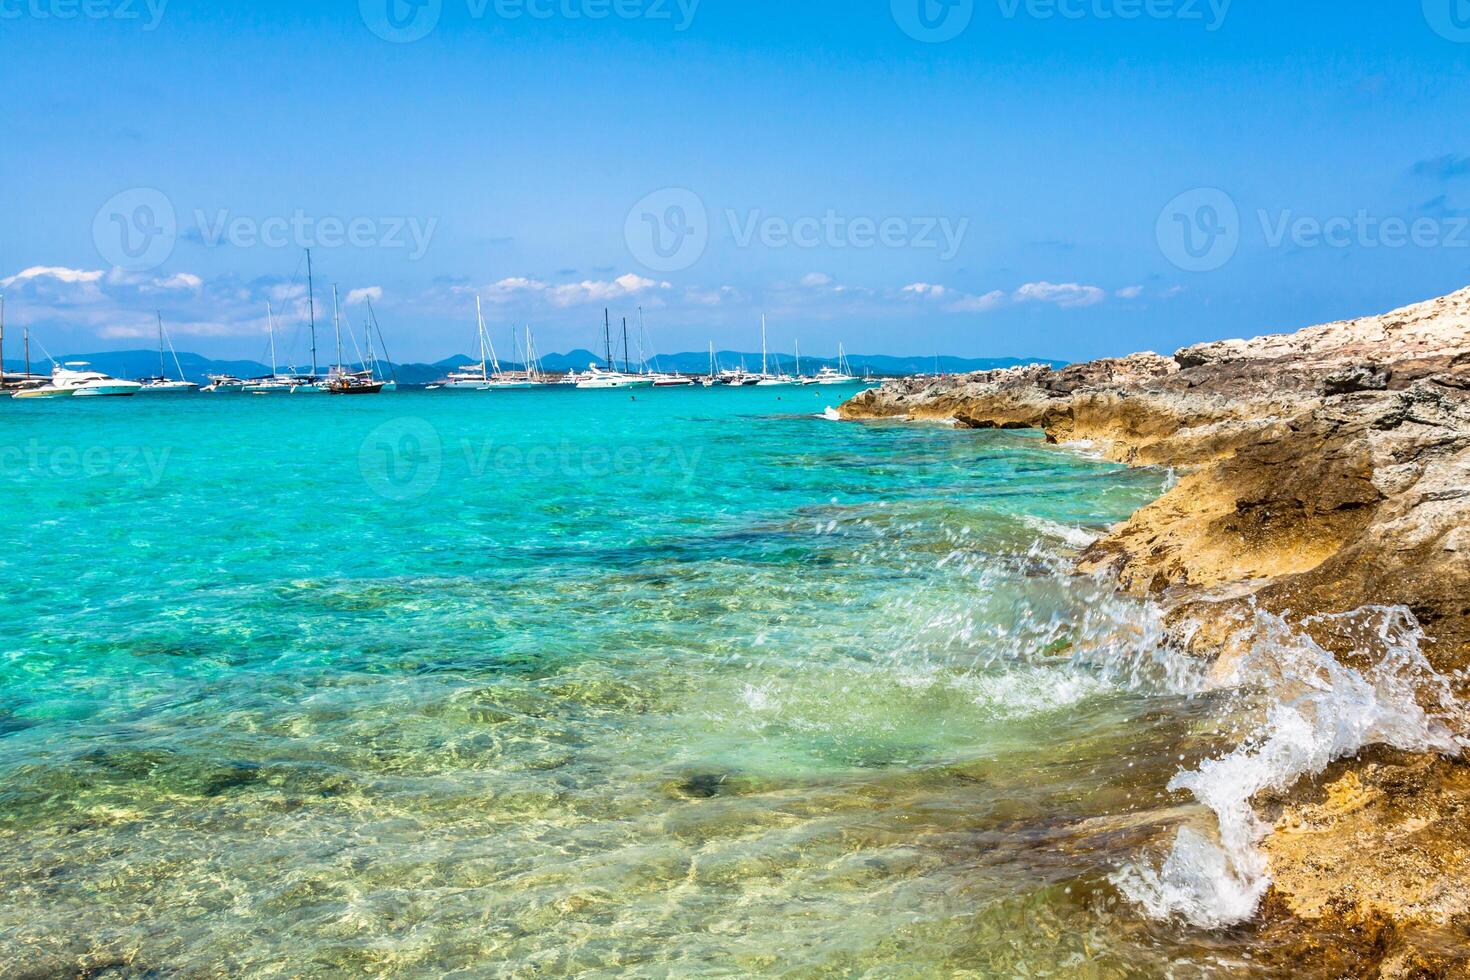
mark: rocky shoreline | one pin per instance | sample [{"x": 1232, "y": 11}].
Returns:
[{"x": 1324, "y": 474}]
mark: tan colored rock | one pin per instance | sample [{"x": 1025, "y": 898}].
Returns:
[{"x": 1324, "y": 471}]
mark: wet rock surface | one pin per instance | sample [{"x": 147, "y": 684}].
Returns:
[{"x": 1322, "y": 472}]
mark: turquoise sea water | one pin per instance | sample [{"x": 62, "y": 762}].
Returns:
[{"x": 559, "y": 683}]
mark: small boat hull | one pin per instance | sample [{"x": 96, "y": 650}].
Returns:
[
  {"x": 109, "y": 389},
  {"x": 47, "y": 392}
]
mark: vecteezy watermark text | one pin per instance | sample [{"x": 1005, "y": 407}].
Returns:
[
  {"x": 138, "y": 229},
  {"x": 403, "y": 459},
  {"x": 150, "y": 12},
  {"x": 834, "y": 230},
  {"x": 1211, "y": 14},
  {"x": 33, "y": 458},
  {"x": 937, "y": 21},
  {"x": 669, "y": 230},
  {"x": 1203, "y": 229},
  {"x": 302, "y": 230},
  {"x": 406, "y": 21}
]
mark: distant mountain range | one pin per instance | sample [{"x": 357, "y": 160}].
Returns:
[{"x": 144, "y": 363}]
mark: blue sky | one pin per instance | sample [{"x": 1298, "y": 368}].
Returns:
[{"x": 1069, "y": 178}]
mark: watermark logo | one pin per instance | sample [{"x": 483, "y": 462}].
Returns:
[
  {"x": 1363, "y": 230},
  {"x": 834, "y": 230},
  {"x": 1449, "y": 18},
  {"x": 150, "y": 12},
  {"x": 136, "y": 229},
  {"x": 1212, "y": 14},
  {"x": 668, "y": 230},
  {"x": 1199, "y": 231},
  {"x": 301, "y": 230},
  {"x": 933, "y": 21},
  {"x": 402, "y": 460},
  {"x": 406, "y": 21},
  {"x": 146, "y": 464},
  {"x": 401, "y": 21}
]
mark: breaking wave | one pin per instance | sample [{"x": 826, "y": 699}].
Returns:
[{"x": 1310, "y": 710}]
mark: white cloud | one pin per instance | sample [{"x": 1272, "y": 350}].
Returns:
[
  {"x": 711, "y": 297},
  {"x": 977, "y": 304},
  {"x": 1130, "y": 292},
  {"x": 1067, "y": 295},
  {"x": 955, "y": 301},
  {"x": 569, "y": 294},
  {"x": 816, "y": 280},
  {"x": 181, "y": 280},
  {"x": 374, "y": 293},
  {"x": 57, "y": 272}
]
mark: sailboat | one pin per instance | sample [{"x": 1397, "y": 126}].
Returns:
[
  {"x": 660, "y": 378},
  {"x": 611, "y": 377},
  {"x": 340, "y": 381},
  {"x": 375, "y": 367},
  {"x": 713, "y": 378},
  {"x": 470, "y": 377},
  {"x": 162, "y": 384},
  {"x": 310, "y": 384},
  {"x": 274, "y": 383},
  {"x": 766, "y": 379},
  {"x": 840, "y": 375},
  {"x": 503, "y": 380},
  {"x": 16, "y": 382}
]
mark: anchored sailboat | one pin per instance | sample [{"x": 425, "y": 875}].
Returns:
[
  {"x": 340, "y": 381},
  {"x": 162, "y": 384}
]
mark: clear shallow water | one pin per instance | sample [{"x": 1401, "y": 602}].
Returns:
[{"x": 572, "y": 682}]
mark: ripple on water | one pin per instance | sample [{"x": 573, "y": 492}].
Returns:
[{"x": 824, "y": 702}]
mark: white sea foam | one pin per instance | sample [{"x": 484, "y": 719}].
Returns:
[
  {"x": 1072, "y": 537},
  {"x": 830, "y": 414},
  {"x": 1316, "y": 710}
]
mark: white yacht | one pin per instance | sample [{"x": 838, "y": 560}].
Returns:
[
  {"x": 83, "y": 382},
  {"x": 840, "y": 375},
  {"x": 224, "y": 384},
  {"x": 596, "y": 378},
  {"x": 610, "y": 377}
]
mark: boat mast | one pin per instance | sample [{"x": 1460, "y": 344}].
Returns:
[
  {"x": 162, "y": 373},
  {"x": 2, "y": 340},
  {"x": 480, "y": 333},
  {"x": 373, "y": 314},
  {"x": 485, "y": 339},
  {"x": 337, "y": 328},
  {"x": 28, "y": 352},
  {"x": 763, "y": 344},
  {"x": 798, "y": 360},
  {"x": 270, "y": 326},
  {"x": 607, "y": 336},
  {"x": 626, "y": 364},
  {"x": 311, "y": 308}
]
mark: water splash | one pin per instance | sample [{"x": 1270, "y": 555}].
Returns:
[{"x": 1316, "y": 710}]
